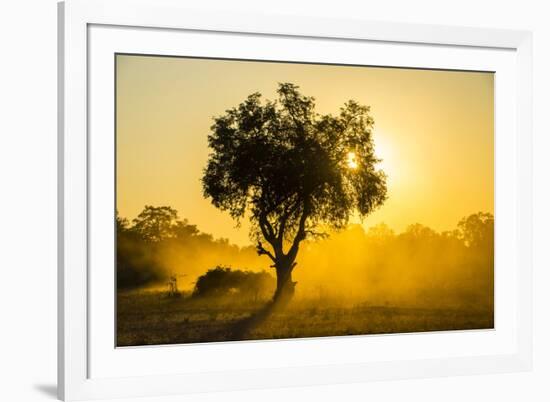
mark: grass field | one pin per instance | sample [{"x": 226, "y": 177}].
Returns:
[{"x": 153, "y": 318}]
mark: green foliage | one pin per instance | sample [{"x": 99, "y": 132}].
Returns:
[{"x": 287, "y": 166}]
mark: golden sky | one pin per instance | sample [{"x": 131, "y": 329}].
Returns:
[{"x": 433, "y": 130}]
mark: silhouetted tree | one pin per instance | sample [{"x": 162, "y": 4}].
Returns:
[
  {"x": 156, "y": 246},
  {"x": 135, "y": 255},
  {"x": 183, "y": 230},
  {"x": 293, "y": 170},
  {"x": 477, "y": 230},
  {"x": 122, "y": 223},
  {"x": 155, "y": 223}
]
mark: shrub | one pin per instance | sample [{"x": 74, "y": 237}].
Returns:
[{"x": 223, "y": 281}]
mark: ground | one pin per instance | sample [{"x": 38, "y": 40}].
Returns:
[{"x": 153, "y": 318}]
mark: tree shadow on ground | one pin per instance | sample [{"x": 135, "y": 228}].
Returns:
[{"x": 241, "y": 329}]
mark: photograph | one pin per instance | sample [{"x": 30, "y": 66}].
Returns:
[{"x": 261, "y": 200}]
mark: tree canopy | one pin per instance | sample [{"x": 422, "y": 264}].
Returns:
[
  {"x": 291, "y": 169},
  {"x": 289, "y": 165}
]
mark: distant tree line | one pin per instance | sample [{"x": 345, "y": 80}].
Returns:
[
  {"x": 157, "y": 245},
  {"x": 418, "y": 266}
]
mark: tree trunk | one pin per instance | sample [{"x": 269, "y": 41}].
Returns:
[{"x": 285, "y": 285}]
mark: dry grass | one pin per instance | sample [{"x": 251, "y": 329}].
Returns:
[{"x": 152, "y": 318}]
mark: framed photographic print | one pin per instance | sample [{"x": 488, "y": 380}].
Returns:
[{"x": 257, "y": 201}]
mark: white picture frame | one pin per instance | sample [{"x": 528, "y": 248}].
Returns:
[{"x": 90, "y": 368}]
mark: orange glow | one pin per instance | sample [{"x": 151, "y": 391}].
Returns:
[{"x": 433, "y": 131}]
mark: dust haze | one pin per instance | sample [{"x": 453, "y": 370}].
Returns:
[{"x": 373, "y": 272}]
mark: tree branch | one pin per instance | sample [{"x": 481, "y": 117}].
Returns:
[
  {"x": 301, "y": 233},
  {"x": 283, "y": 221},
  {"x": 316, "y": 235},
  {"x": 266, "y": 228},
  {"x": 289, "y": 104},
  {"x": 262, "y": 251}
]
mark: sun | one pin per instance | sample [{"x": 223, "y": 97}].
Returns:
[{"x": 352, "y": 160}]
